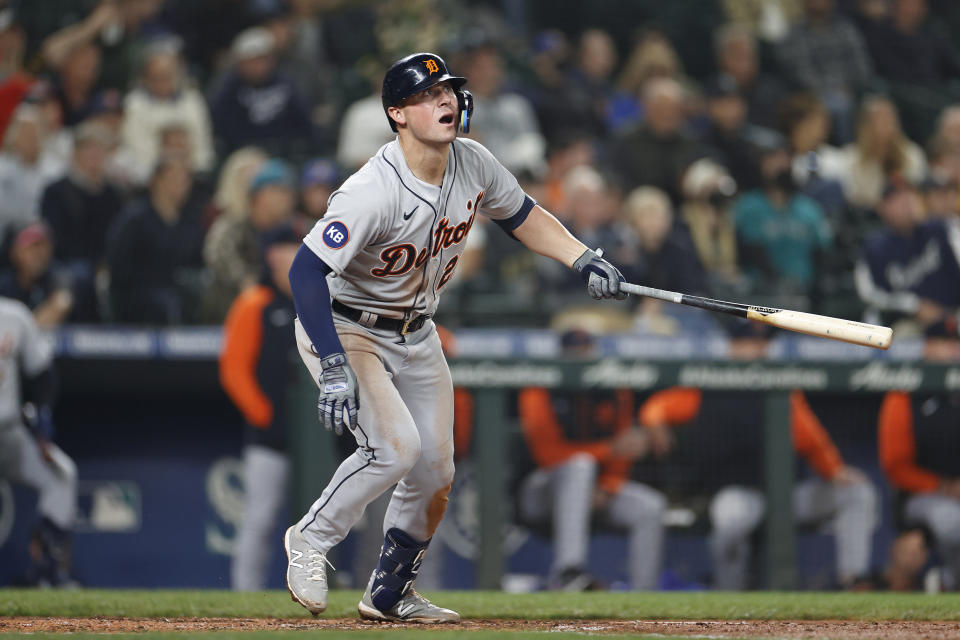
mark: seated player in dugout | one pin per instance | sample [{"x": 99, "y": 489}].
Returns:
[
  {"x": 366, "y": 283},
  {"x": 257, "y": 367},
  {"x": 583, "y": 444},
  {"x": 723, "y": 457},
  {"x": 919, "y": 440}
]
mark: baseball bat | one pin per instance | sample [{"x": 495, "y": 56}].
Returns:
[{"x": 867, "y": 335}]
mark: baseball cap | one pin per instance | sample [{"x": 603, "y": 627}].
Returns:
[
  {"x": 254, "y": 42},
  {"x": 319, "y": 171},
  {"x": 272, "y": 172},
  {"x": 30, "y": 234}
]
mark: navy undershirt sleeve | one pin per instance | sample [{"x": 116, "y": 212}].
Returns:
[
  {"x": 514, "y": 221},
  {"x": 311, "y": 297}
]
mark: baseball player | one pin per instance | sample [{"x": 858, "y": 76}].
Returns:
[
  {"x": 27, "y": 456},
  {"x": 365, "y": 284}
]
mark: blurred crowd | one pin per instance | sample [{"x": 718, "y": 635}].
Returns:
[{"x": 804, "y": 153}]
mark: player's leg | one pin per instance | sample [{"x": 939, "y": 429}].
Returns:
[
  {"x": 573, "y": 484},
  {"x": 851, "y": 514},
  {"x": 266, "y": 480},
  {"x": 735, "y": 512},
  {"x": 420, "y": 499},
  {"x": 640, "y": 509},
  {"x": 941, "y": 514},
  {"x": 55, "y": 480},
  {"x": 388, "y": 447}
]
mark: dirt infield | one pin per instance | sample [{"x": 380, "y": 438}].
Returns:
[{"x": 834, "y": 629}]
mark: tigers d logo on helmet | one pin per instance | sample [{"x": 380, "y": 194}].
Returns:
[{"x": 432, "y": 66}]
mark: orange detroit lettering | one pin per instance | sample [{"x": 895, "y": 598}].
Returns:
[{"x": 432, "y": 66}]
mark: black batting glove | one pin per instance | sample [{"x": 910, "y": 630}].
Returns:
[
  {"x": 602, "y": 278},
  {"x": 339, "y": 394}
]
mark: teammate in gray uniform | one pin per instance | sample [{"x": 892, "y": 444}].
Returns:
[
  {"x": 27, "y": 456},
  {"x": 378, "y": 260}
]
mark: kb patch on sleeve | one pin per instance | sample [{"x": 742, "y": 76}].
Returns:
[{"x": 335, "y": 235}]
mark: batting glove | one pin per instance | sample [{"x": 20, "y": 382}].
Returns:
[
  {"x": 339, "y": 397},
  {"x": 603, "y": 279}
]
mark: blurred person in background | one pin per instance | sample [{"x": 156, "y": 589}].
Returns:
[
  {"x": 769, "y": 20},
  {"x": 505, "y": 122},
  {"x": 707, "y": 212},
  {"x": 79, "y": 210},
  {"x": 819, "y": 168},
  {"x": 918, "y": 442},
  {"x": 57, "y": 151},
  {"x": 737, "y": 59},
  {"x": 232, "y": 250},
  {"x": 588, "y": 84},
  {"x": 941, "y": 197},
  {"x": 583, "y": 445},
  {"x": 154, "y": 251},
  {"x": 257, "y": 365},
  {"x": 318, "y": 180},
  {"x": 568, "y": 149},
  {"x": 165, "y": 94},
  {"x": 664, "y": 257},
  {"x": 881, "y": 151},
  {"x": 658, "y": 151},
  {"x": 255, "y": 104},
  {"x": 909, "y": 270},
  {"x": 780, "y": 232},
  {"x": 28, "y": 455},
  {"x": 653, "y": 56},
  {"x": 232, "y": 194},
  {"x": 34, "y": 279},
  {"x": 15, "y": 82},
  {"x": 362, "y": 132},
  {"x": 75, "y": 81},
  {"x": 943, "y": 148},
  {"x": 21, "y": 176},
  {"x": 724, "y": 457},
  {"x": 825, "y": 54}
]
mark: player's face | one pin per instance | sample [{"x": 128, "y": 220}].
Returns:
[{"x": 431, "y": 115}]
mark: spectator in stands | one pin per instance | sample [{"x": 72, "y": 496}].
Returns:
[
  {"x": 910, "y": 269},
  {"x": 165, "y": 95},
  {"x": 319, "y": 179},
  {"x": 257, "y": 105},
  {"x": 504, "y": 121},
  {"x": 567, "y": 150},
  {"x": 825, "y": 54},
  {"x": 906, "y": 49},
  {"x": 657, "y": 152},
  {"x": 154, "y": 251},
  {"x": 880, "y": 152},
  {"x": 80, "y": 209},
  {"x": 76, "y": 80},
  {"x": 588, "y": 86},
  {"x": 653, "y": 56},
  {"x": 583, "y": 445},
  {"x": 256, "y": 370},
  {"x": 362, "y": 128},
  {"x": 737, "y": 59},
  {"x": 943, "y": 149},
  {"x": 918, "y": 441},
  {"x": 724, "y": 458},
  {"x": 57, "y": 152},
  {"x": 780, "y": 232},
  {"x": 14, "y": 81},
  {"x": 34, "y": 279},
  {"x": 768, "y": 20},
  {"x": 707, "y": 212},
  {"x": 232, "y": 248},
  {"x": 819, "y": 168},
  {"x": 729, "y": 138},
  {"x": 940, "y": 197},
  {"x": 232, "y": 195},
  {"x": 21, "y": 175}
]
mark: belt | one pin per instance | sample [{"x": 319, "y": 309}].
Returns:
[{"x": 402, "y": 327}]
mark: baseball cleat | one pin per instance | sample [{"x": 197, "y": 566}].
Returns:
[
  {"x": 306, "y": 573},
  {"x": 412, "y": 607}
]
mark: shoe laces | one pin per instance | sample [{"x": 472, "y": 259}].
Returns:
[{"x": 315, "y": 568}]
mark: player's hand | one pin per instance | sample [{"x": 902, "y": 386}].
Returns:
[
  {"x": 339, "y": 394},
  {"x": 848, "y": 476},
  {"x": 631, "y": 443},
  {"x": 603, "y": 279}
]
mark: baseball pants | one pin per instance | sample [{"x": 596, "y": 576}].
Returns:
[
  {"x": 564, "y": 494},
  {"x": 849, "y": 513},
  {"x": 404, "y": 436},
  {"x": 21, "y": 461},
  {"x": 941, "y": 514},
  {"x": 266, "y": 483}
]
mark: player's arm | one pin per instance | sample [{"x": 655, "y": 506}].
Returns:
[
  {"x": 242, "y": 342},
  {"x": 812, "y": 441},
  {"x": 544, "y": 234},
  {"x": 898, "y": 446},
  {"x": 339, "y": 395}
]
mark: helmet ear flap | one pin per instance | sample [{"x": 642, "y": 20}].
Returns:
[{"x": 465, "y": 104}]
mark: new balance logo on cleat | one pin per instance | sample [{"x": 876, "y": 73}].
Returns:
[
  {"x": 307, "y": 582},
  {"x": 412, "y": 607}
]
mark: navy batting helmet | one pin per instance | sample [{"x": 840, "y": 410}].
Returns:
[{"x": 417, "y": 72}]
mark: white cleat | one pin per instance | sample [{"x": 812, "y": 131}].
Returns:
[
  {"x": 306, "y": 572},
  {"x": 412, "y": 607}
]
